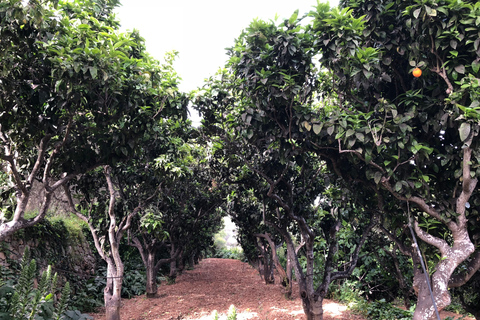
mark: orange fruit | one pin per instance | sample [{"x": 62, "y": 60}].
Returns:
[{"x": 417, "y": 72}]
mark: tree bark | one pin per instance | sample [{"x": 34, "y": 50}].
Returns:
[
  {"x": 285, "y": 279},
  {"x": 151, "y": 285},
  {"x": 313, "y": 308},
  {"x": 451, "y": 255},
  {"x": 112, "y": 292}
]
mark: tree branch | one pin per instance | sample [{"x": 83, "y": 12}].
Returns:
[
  {"x": 441, "y": 244},
  {"x": 473, "y": 266},
  {"x": 96, "y": 240}
]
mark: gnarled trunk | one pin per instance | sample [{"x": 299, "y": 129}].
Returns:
[
  {"x": 173, "y": 269},
  {"x": 286, "y": 279},
  {"x": 151, "y": 286},
  {"x": 112, "y": 293},
  {"x": 313, "y": 307},
  {"x": 452, "y": 257}
]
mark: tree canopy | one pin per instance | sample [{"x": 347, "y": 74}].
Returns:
[{"x": 316, "y": 135}]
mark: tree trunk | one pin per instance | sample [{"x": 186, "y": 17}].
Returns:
[
  {"x": 112, "y": 293},
  {"x": 173, "y": 269},
  {"x": 289, "y": 272},
  {"x": 268, "y": 268},
  {"x": 180, "y": 264},
  {"x": 191, "y": 262},
  {"x": 285, "y": 279},
  {"x": 313, "y": 308},
  {"x": 267, "y": 265},
  {"x": 439, "y": 282},
  {"x": 151, "y": 285}
]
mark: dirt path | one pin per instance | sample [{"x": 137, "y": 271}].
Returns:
[{"x": 215, "y": 284}]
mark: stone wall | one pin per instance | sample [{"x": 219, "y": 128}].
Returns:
[{"x": 69, "y": 255}]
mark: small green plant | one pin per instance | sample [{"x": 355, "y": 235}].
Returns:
[
  {"x": 380, "y": 310},
  {"x": 229, "y": 253},
  {"x": 21, "y": 300},
  {"x": 232, "y": 313},
  {"x": 346, "y": 292},
  {"x": 214, "y": 315}
]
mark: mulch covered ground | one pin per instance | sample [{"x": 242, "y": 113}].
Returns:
[{"x": 215, "y": 284}]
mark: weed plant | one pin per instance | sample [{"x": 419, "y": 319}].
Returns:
[
  {"x": 20, "y": 300},
  {"x": 345, "y": 292},
  {"x": 231, "y": 315},
  {"x": 232, "y": 253},
  {"x": 380, "y": 310}
]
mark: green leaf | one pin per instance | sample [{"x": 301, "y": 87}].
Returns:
[
  {"x": 293, "y": 18},
  {"x": 460, "y": 69},
  {"x": 349, "y": 133},
  {"x": 339, "y": 134},
  {"x": 464, "y": 131},
  {"x": 360, "y": 136},
  {"x": 398, "y": 186},
  {"x": 317, "y": 128},
  {"x": 93, "y": 72},
  {"x": 416, "y": 13},
  {"x": 307, "y": 125},
  {"x": 476, "y": 66},
  {"x": 330, "y": 130},
  {"x": 377, "y": 177}
]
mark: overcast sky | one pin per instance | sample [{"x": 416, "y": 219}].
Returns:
[{"x": 199, "y": 29}]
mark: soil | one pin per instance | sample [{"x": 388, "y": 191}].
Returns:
[{"x": 215, "y": 284}]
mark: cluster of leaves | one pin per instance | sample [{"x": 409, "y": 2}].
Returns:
[
  {"x": 23, "y": 301},
  {"x": 229, "y": 253},
  {"x": 231, "y": 315},
  {"x": 381, "y": 310}
]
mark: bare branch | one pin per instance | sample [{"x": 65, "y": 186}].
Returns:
[
  {"x": 358, "y": 154},
  {"x": 468, "y": 185},
  {"x": 55, "y": 151},
  {"x": 96, "y": 240},
  {"x": 42, "y": 149},
  {"x": 354, "y": 257},
  {"x": 420, "y": 202},
  {"x": 473, "y": 266},
  {"x": 8, "y": 157}
]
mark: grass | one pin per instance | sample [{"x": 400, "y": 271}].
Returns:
[{"x": 73, "y": 224}]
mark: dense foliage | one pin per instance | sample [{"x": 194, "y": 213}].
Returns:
[{"x": 327, "y": 152}]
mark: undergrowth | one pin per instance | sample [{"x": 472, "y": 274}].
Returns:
[
  {"x": 232, "y": 253},
  {"x": 20, "y": 299},
  {"x": 380, "y": 310},
  {"x": 231, "y": 315}
]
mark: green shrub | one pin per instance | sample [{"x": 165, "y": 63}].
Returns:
[
  {"x": 232, "y": 313},
  {"x": 20, "y": 300},
  {"x": 232, "y": 253},
  {"x": 214, "y": 315},
  {"x": 381, "y": 310},
  {"x": 345, "y": 292}
]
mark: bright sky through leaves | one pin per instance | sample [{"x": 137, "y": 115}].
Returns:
[{"x": 200, "y": 30}]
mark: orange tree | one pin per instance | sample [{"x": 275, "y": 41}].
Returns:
[
  {"x": 253, "y": 114},
  {"x": 74, "y": 95},
  {"x": 414, "y": 139},
  {"x": 406, "y": 144}
]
